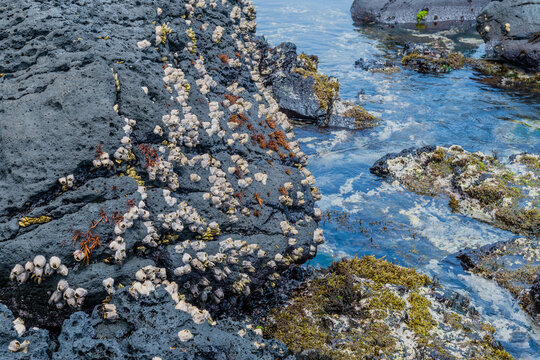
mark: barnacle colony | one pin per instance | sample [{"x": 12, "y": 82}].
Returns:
[{"x": 235, "y": 183}]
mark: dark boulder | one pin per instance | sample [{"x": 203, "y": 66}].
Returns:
[
  {"x": 511, "y": 30},
  {"x": 407, "y": 11},
  {"x": 133, "y": 134},
  {"x": 305, "y": 94}
]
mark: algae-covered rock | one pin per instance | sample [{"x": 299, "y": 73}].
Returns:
[
  {"x": 514, "y": 265},
  {"x": 367, "y": 308},
  {"x": 304, "y": 93},
  {"x": 426, "y": 59},
  {"x": 478, "y": 185},
  {"x": 506, "y": 76},
  {"x": 137, "y": 134}
]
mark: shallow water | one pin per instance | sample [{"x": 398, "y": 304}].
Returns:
[{"x": 374, "y": 216}]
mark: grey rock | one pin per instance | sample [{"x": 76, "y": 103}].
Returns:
[
  {"x": 149, "y": 327},
  {"x": 405, "y": 11},
  {"x": 303, "y": 93},
  {"x": 511, "y": 30},
  {"x": 60, "y": 104}
]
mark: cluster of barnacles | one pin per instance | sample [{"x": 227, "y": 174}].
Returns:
[
  {"x": 38, "y": 269},
  {"x": 148, "y": 279},
  {"x": 206, "y": 83},
  {"x": 64, "y": 294},
  {"x": 217, "y": 34},
  {"x": 67, "y": 182},
  {"x": 214, "y": 127}
]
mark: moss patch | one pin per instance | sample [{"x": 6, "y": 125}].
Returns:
[
  {"x": 368, "y": 308},
  {"x": 326, "y": 89},
  {"x": 362, "y": 118}
]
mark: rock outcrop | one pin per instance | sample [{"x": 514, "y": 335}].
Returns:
[
  {"x": 303, "y": 93},
  {"x": 148, "y": 328},
  {"x": 431, "y": 60},
  {"x": 140, "y": 148},
  {"x": 511, "y": 30},
  {"x": 369, "y": 308},
  {"x": 410, "y": 11},
  {"x": 514, "y": 265},
  {"x": 478, "y": 185}
]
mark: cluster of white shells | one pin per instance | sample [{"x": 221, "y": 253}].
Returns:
[
  {"x": 64, "y": 294},
  {"x": 37, "y": 269},
  {"x": 67, "y": 181},
  {"x": 149, "y": 279}
]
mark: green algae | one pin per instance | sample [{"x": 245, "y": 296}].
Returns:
[
  {"x": 353, "y": 310},
  {"x": 451, "y": 61},
  {"x": 362, "y": 118},
  {"x": 326, "y": 89}
]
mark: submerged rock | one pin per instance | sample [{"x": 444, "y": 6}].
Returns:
[
  {"x": 303, "y": 93},
  {"x": 514, "y": 265},
  {"x": 506, "y": 76},
  {"x": 511, "y": 30},
  {"x": 426, "y": 59},
  {"x": 369, "y": 308},
  {"x": 138, "y": 143},
  {"x": 416, "y": 11},
  {"x": 505, "y": 195}
]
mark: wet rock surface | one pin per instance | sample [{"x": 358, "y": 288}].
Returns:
[
  {"x": 478, "y": 185},
  {"x": 431, "y": 60},
  {"x": 303, "y": 93},
  {"x": 138, "y": 135},
  {"x": 406, "y": 11},
  {"x": 514, "y": 265},
  {"x": 369, "y": 308},
  {"x": 511, "y": 30}
]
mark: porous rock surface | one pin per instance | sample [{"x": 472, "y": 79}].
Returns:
[
  {"x": 137, "y": 134},
  {"x": 303, "y": 93},
  {"x": 148, "y": 329},
  {"x": 405, "y": 11},
  {"x": 511, "y": 30},
  {"x": 478, "y": 185}
]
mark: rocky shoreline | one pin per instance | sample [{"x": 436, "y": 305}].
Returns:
[{"x": 152, "y": 190}]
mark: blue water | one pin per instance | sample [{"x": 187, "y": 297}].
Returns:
[{"x": 457, "y": 108}]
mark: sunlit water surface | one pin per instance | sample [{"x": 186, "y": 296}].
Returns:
[{"x": 382, "y": 218}]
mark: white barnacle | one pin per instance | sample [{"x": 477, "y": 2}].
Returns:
[
  {"x": 62, "y": 285},
  {"x": 29, "y": 267},
  {"x": 143, "y": 44},
  {"x": 109, "y": 285},
  {"x": 69, "y": 293},
  {"x": 260, "y": 177},
  {"x": 16, "y": 346},
  {"x": 63, "y": 270},
  {"x": 18, "y": 323},
  {"x": 21, "y": 278},
  {"x": 40, "y": 261},
  {"x": 80, "y": 293},
  {"x": 78, "y": 255},
  {"x": 185, "y": 335},
  {"x": 194, "y": 177},
  {"x": 55, "y": 262},
  {"x": 16, "y": 271},
  {"x": 140, "y": 275},
  {"x": 318, "y": 236}
]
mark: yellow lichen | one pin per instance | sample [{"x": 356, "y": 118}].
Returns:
[{"x": 27, "y": 221}]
